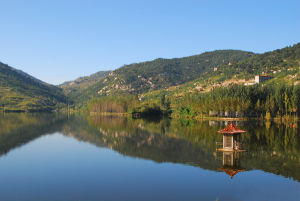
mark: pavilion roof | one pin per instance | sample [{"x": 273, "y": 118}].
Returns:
[
  {"x": 231, "y": 172},
  {"x": 231, "y": 129}
]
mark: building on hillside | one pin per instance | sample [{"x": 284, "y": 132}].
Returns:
[{"x": 261, "y": 78}]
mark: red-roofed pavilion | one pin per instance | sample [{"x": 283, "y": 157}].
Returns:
[{"x": 231, "y": 138}]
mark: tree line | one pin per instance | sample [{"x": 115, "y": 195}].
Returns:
[
  {"x": 266, "y": 101},
  {"x": 130, "y": 104},
  {"x": 242, "y": 101}
]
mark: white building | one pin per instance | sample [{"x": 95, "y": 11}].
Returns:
[{"x": 262, "y": 78}]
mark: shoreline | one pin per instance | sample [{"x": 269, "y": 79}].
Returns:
[
  {"x": 284, "y": 118},
  {"x": 198, "y": 118}
]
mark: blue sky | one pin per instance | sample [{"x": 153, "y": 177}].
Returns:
[{"x": 60, "y": 40}]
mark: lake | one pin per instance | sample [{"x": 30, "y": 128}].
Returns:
[{"x": 76, "y": 157}]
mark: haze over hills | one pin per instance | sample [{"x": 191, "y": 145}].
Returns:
[{"x": 22, "y": 92}]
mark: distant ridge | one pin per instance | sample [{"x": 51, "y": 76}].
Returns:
[
  {"x": 82, "y": 82},
  {"x": 152, "y": 75}
]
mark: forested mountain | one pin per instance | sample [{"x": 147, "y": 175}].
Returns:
[
  {"x": 22, "y": 92},
  {"x": 158, "y": 74},
  {"x": 163, "y": 73},
  {"x": 196, "y": 73},
  {"x": 220, "y": 91},
  {"x": 282, "y": 64}
]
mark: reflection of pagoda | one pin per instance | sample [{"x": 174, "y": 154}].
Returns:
[
  {"x": 231, "y": 138},
  {"x": 231, "y": 163}
]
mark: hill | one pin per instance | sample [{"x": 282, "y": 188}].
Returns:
[
  {"x": 157, "y": 74},
  {"x": 221, "y": 91},
  {"x": 203, "y": 72},
  {"x": 283, "y": 65},
  {"x": 163, "y": 73},
  {"x": 22, "y": 92}
]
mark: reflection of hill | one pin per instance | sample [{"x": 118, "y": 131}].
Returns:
[
  {"x": 272, "y": 148},
  {"x": 19, "y": 129},
  {"x": 79, "y": 128},
  {"x": 129, "y": 137}
]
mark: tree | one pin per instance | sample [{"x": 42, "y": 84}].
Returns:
[
  {"x": 296, "y": 98},
  {"x": 286, "y": 102},
  {"x": 162, "y": 100},
  {"x": 258, "y": 108}
]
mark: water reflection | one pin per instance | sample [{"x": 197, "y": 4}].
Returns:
[
  {"x": 272, "y": 147},
  {"x": 19, "y": 129},
  {"x": 231, "y": 163}
]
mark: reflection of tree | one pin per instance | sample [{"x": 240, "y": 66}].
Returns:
[
  {"x": 19, "y": 129},
  {"x": 78, "y": 127},
  {"x": 272, "y": 147}
]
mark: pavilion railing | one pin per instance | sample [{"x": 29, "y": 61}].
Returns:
[
  {"x": 219, "y": 145},
  {"x": 241, "y": 145}
]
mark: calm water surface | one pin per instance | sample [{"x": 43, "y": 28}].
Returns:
[{"x": 58, "y": 157}]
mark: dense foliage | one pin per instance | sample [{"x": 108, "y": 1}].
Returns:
[
  {"x": 113, "y": 104},
  {"x": 130, "y": 104},
  {"x": 234, "y": 101},
  {"x": 238, "y": 100}
]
